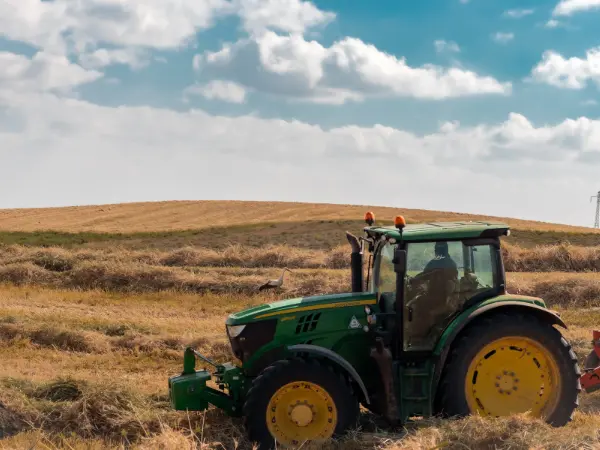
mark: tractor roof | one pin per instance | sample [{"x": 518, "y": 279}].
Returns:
[{"x": 443, "y": 230}]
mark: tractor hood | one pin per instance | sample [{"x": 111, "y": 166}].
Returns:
[{"x": 294, "y": 305}]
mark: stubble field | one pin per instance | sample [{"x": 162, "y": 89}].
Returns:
[{"x": 97, "y": 306}]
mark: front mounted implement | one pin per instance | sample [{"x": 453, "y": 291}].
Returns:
[{"x": 189, "y": 390}]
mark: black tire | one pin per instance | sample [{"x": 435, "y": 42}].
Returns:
[
  {"x": 452, "y": 398},
  {"x": 283, "y": 372}
]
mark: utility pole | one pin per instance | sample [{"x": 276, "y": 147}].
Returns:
[{"x": 597, "y": 197}]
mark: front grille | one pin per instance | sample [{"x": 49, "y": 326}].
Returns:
[{"x": 254, "y": 336}]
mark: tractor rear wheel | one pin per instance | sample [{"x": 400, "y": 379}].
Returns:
[
  {"x": 511, "y": 364},
  {"x": 294, "y": 401}
]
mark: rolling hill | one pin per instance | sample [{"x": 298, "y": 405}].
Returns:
[
  {"x": 217, "y": 224},
  {"x": 186, "y": 215}
]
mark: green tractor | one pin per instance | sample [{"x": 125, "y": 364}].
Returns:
[{"x": 428, "y": 329}]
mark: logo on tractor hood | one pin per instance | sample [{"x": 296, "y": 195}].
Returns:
[{"x": 354, "y": 323}]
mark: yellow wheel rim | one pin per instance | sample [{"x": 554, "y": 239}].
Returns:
[
  {"x": 299, "y": 412},
  {"x": 513, "y": 375}
]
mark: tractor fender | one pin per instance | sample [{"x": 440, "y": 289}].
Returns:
[
  {"x": 544, "y": 314},
  {"x": 335, "y": 358},
  {"x": 467, "y": 317}
]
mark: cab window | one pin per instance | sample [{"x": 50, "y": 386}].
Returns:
[
  {"x": 386, "y": 280},
  {"x": 441, "y": 277}
]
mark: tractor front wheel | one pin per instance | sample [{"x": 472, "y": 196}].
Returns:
[
  {"x": 511, "y": 364},
  {"x": 295, "y": 401}
]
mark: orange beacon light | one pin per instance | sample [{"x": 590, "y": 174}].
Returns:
[{"x": 399, "y": 222}]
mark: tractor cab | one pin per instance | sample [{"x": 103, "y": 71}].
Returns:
[{"x": 434, "y": 271}]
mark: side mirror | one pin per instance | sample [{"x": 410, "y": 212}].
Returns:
[{"x": 399, "y": 260}]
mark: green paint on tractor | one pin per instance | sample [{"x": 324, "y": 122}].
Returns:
[{"x": 403, "y": 343}]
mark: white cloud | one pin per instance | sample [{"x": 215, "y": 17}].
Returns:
[
  {"x": 552, "y": 23},
  {"x": 219, "y": 90},
  {"x": 449, "y": 127},
  {"x": 589, "y": 102},
  {"x": 443, "y": 46},
  {"x": 294, "y": 16},
  {"x": 503, "y": 38},
  {"x": 63, "y": 24},
  {"x": 159, "y": 24},
  {"x": 295, "y": 68},
  {"x": 143, "y": 153},
  {"x": 112, "y": 31},
  {"x": 102, "y": 33},
  {"x": 570, "y": 7},
  {"x": 571, "y": 73},
  {"x": 518, "y": 13},
  {"x": 35, "y": 22},
  {"x": 132, "y": 57},
  {"x": 42, "y": 72}
]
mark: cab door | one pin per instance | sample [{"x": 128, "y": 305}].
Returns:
[
  {"x": 441, "y": 278},
  {"x": 433, "y": 272}
]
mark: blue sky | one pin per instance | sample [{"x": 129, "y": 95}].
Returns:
[
  {"x": 403, "y": 29},
  {"x": 477, "y": 106}
]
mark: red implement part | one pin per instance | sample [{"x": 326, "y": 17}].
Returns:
[{"x": 590, "y": 380}]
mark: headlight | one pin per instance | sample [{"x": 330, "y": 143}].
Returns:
[{"x": 235, "y": 330}]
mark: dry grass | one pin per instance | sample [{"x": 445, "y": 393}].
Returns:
[
  {"x": 517, "y": 432},
  {"x": 182, "y": 215},
  {"x": 569, "y": 290},
  {"x": 57, "y": 259},
  {"x": 204, "y": 271},
  {"x": 132, "y": 278},
  {"x": 24, "y": 262},
  {"x": 552, "y": 258},
  {"x": 235, "y": 269},
  {"x": 103, "y": 385}
]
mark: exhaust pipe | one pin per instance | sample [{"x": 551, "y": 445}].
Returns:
[{"x": 356, "y": 263}]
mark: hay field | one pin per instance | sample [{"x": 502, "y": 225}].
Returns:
[
  {"x": 97, "y": 304},
  {"x": 185, "y": 215},
  {"x": 217, "y": 224},
  {"x": 89, "y": 369}
]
